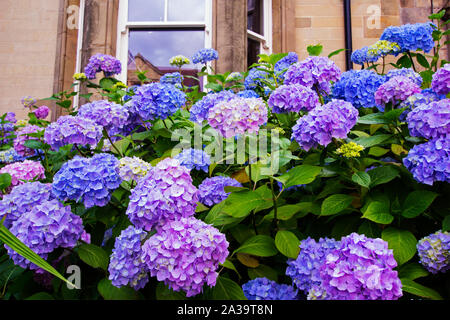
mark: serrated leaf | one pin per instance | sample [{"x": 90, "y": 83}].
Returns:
[
  {"x": 335, "y": 204},
  {"x": 371, "y": 141},
  {"x": 362, "y": 178},
  {"x": 417, "y": 202},
  {"x": 259, "y": 245},
  {"x": 412, "y": 271},
  {"x": 378, "y": 210},
  {"x": 227, "y": 289},
  {"x": 5, "y": 180},
  {"x": 373, "y": 118},
  {"x": 287, "y": 243},
  {"x": 381, "y": 175},
  {"x": 303, "y": 174},
  {"x": 94, "y": 256},
  {"x": 314, "y": 50},
  {"x": 402, "y": 242},
  {"x": 229, "y": 265}
]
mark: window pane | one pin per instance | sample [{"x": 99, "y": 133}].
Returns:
[
  {"x": 253, "y": 49},
  {"x": 255, "y": 16},
  {"x": 186, "y": 10},
  {"x": 145, "y": 10}
]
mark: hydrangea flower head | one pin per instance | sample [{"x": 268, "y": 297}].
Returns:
[
  {"x": 405, "y": 72},
  {"x": 322, "y": 124},
  {"x": 22, "y": 137},
  {"x": 360, "y": 56},
  {"x": 126, "y": 266},
  {"x": 238, "y": 116},
  {"x": 205, "y": 55},
  {"x": 253, "y": 79},
  {"x": 382, "y": 48},
  {"x": 174, "y": 78},
  {"x": 212, "y": 190},
  {"x": 72, "y": 130},
  {"x": 102, "y": 62},
  {"x": 165, "y": 193},
  {"x": 360, "y": 268},
  {"x": 265, "y": 289},
  {"x": 417, "y": 99},
  {"x": 434, "y": 252},
  {"x": 247, "y": 94},
  {"x": 430, "y": 120},
  {"x": 304, "y": 270},
  {"x": 80, "y": 76},
  {"x": 21, "y": 172},
  {"x": 48, "y": 226},
  {"x": 7, "y": 128},
  {"x": 133, "y": 168},
  {"x": 28, "y": 101},
  {"x": 22, "y": 199},
  {"x": 185, "y": 254},
  {"x": 293, "y": 98},
  {"x": 395, "y": 90},
  {"x": 157, "y": 101},
  {"x": 441, "y": 80},
  {"x": 284, "y": 63},
  {"x": 179, "y": 61},
  {"x": 411, "y": 37},
  {"x": 10, "y": 156},
  {"x": 350, "y": 150},
  {"x": 200, "y": 109},
  {"x": 194, "y": 159},
  {"x": 87, "y": 180},
  {"x": 358, "y": 87},
  {"x": 429, "y": 162},
  {"x": 41, "y": 112},
  {"x": 312, "y": 72}
]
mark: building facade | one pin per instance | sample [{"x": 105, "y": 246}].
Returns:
[{"x": 44, "y": 42}]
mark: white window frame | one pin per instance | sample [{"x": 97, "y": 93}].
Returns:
[
  {"x": 124, "y": 27},
  {"x": 266, "y": 39}
]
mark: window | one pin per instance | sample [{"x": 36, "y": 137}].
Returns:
[
  {"x": 151, "y": 32},
  {"x": 259, "y": 29}
]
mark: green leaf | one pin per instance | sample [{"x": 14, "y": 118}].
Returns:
[
  {"x": 94, "y": 256},
  {"x": 164, "y": 293},
  {"x": 229, "y": 265},
  {"x": 240, "y": 204},
  {"x": 315, "y": 50},
  {"x": 373, "y": 118},
  {"x": 437, "y": 16},
  {"x": 287, "y": 243},
  {"x": 259, "y": 245},
  {"x": 5, "y": 180},
  {"x": 18, "y": 246},
  {"x": 227, "y": 289},
  {"x": 417, "y": 202},
  {"x": 41, "y": 296},
  {"x": 362, "y": 178},
  {"x": 427, "y": 76},
  {"x": 412, "y": 271},
  {"x": 402, "y": 242},
  {"x": 371, "y": 141},
  {"x": 263, "y": 271},
  {"x": 34, "y": 144},
  {"x": 303, "y": 174},
  {"x": 419, "y": 290},
  {"x": 335, "y": 204},
  {"x": 110, "y": 292},
  {"x": 106, "y": 83},
  {"x": 332, "y": 54},
  {"x": 378, "y": 210},
  {"x": 288, "y": 211},
  {"x": 422, "y": 60},
  {"x": 381, "y": 175},
  {"x": 446, "y": 224}
]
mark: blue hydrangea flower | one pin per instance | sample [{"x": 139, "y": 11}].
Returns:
[
  {"x": 253, "y": 79},
  {"x": 200, "y": 109},
  {"x": 126, "y": 266},
  {"x": 265, "y": 289},
  {"x": 10, "y": 156},
  {"x": 411, "y": 37},
  {"x": 211, "y": 191},
  {"x": 304, "y": 270},
  {"x": 87, "y": 180},
  {"x": 205, "y": 55},
  {"x": 423, "y": 98},
  {"x": 194, "y": 159},
  {"x": 434, "y": 252},
  {"x": 284, "y": 63},
  {"x": 174, "y": 78},
  {"x": 429, "y": 162},
  {"x": 405, "y": 72},
  {"x": 360, "y": 56},
  {"x": 130, "y": 92},
  {"x": 156, "y": 101},
  {"x": 358, "y": 87},
  {"x": 247, "y": 94}
]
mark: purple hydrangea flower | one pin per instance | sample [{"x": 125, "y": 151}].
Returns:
[
  {"x": 200, "y": 109},
  {"x": 72, "y": 130},
  {"x": 304, "y": 270},
  {"x": 156, "y": 101},
  {"x": 430, "y": 120},
  {"x": 238, "y": 116},
  {"x": 265, "y": 289},
  {"x": 405, "y": 72},
  {"x": 26, "y": 170},
  {"x": 434, "y": 252},
  {"x": 41, "y": 112},
  {"x": 102, "y": 62},
  {"x": 28, "y": 101},
  {"x": 194, "y": 159},
  {"x": 247, "y": 94},
  {"x": 429, "y": 162},
  {"x": 185, "y": 254},
  {"x": 358, "y": 87},
  {"x": 211, "y": 190},
  {"x": 22, "y": 199},
  {"x": 126, "y": 266},
  {"x": 111, "y": 116},
  {"x": 253, "y": 79},
  {"x": 89, "y": 180},
  {"x": 165, "y": 193},
  {"x": 411, "y": 37},
  {"x": 48, "y": 226},
  {"x": 322, "y": 124},
  {"x": 313, "y": 72},
  {"x": 22, "y": 136},
  {"x": 293, "y": 98},
  {"x": 7, "y": 127},
  {"x": 205, "y": 55},
  {"x": 394, "y": 91},
  {"x": 441, "y": 80},
  {"x": 360, "y": 268}
]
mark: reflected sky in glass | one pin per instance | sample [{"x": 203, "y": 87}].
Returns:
[
  {"x": 146, "y": 10},
  {"x": 158, "y": 46},
  {"x": 186, "y": 10}
]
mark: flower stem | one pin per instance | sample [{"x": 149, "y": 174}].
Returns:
[{"x": 112, "y": 143}]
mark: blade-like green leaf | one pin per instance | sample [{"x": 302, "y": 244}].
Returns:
[{"x": 419, "y": 290}]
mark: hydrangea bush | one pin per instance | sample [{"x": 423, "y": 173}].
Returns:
[{"x": 154, "y": 190}]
